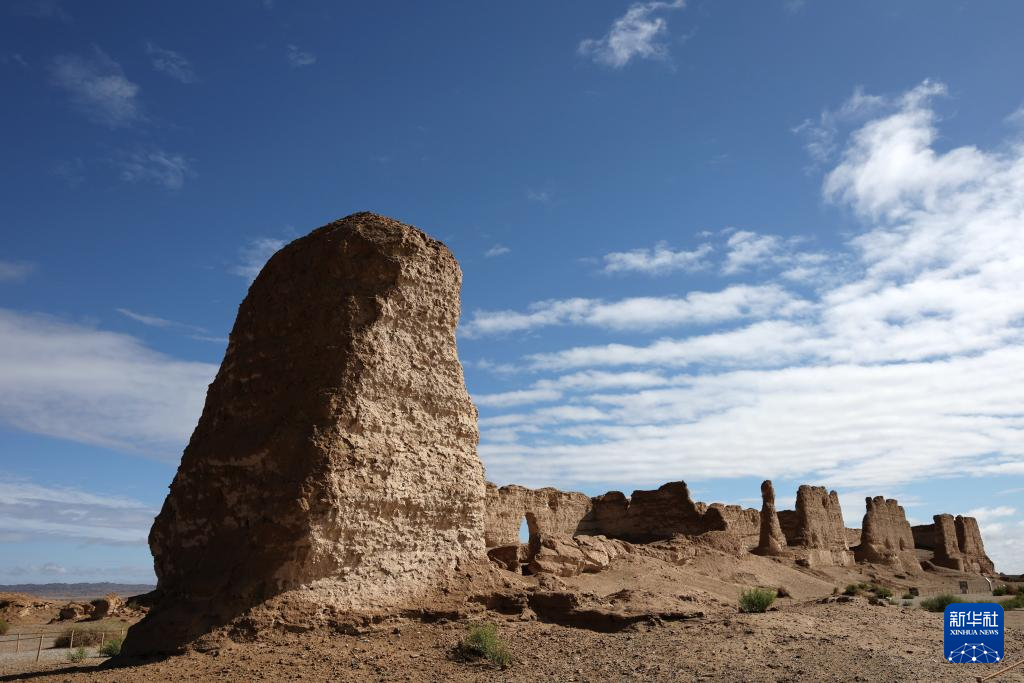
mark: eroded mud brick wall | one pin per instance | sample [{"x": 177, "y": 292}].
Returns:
[
  {"x": 886, "y": 536},
  {"x": 336, "y": 451},
  {"x": 546, "y": 511}
]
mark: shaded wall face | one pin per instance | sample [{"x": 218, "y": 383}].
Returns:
[{"x": 924, "y": 536}]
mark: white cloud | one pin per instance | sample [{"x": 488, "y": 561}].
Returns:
[
  {"x": 1015, "y": 119},
  {"x": 15, "y": 271},
  {"x": 15, "y": 58},
  {"x": 640, "y": 33},
  {"x": 171, "y": 63},
  {"x": 74, "y": 382},
  {"x": 193, "y": 331},
  {"x": 154, "y": 165},
  {"x": 28, "y": 511},
  {"x": 539, "y": 196},
  {"x": 150, "y": 320},
  {"x": 254, "y": 255},
  {"x": 737, "y": 302},
  {"x": 515, "y": 398},
  {"x": 906, "y": 360},
  {"x": 657, "y": 261},
  {"x": 98, "y": 87},
  {"x": 748, "y": 249},
  {"x": 297, "y": 57},
  {"x": 41, "y": 9},
  {"x": 1002, "y": 530},
  {"x": 496, "y": 250},
  {"x": 820, "y": 135}
]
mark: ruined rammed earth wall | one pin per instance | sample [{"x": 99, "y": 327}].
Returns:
[
  {"x": 336, "y": 454},
  {"x": 644, "y": 516},
  {"x": 547, "y": 511},
  {"x": 814, "y": 533},
  {"x": 886, "y": 536},
  {"x": 956, "y": 543}
]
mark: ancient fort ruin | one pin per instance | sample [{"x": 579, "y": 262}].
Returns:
[
  {"x": 812, "y": 535},
  {"x": 334, "y": 472}
]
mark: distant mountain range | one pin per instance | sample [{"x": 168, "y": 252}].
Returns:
[{"x": 76, "y": 590}]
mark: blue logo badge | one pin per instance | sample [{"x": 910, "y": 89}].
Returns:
[{"x": 974, "y": 633}]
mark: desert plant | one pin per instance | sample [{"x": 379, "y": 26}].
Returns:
[
  {"x": 111, "y": 648},
  {"x": 1016, "y": 602},
  {"x": 881, "y": 591},
  {"x": 4, "y": 627},
  {"x": 83, "y": 636},
  {"x": 939, "y": 603},
  {"x": 77, "y": 655},
  {"x": 908, "y": 596},
  {"x": 483, "y": 641},
  {"x": 782, "y": 592},
  {"x": 1001, "y": 590},
  {"x": 756, "y": 600}
]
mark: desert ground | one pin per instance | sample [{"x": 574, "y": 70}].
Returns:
[{"x": 683, "y": 624}]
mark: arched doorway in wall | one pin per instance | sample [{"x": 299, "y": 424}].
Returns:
[
  {"x": 524, "y": 531},
  {"x": 529, "y": 540}
]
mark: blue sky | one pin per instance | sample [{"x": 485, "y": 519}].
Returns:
[{"x": 713, "y": 241}]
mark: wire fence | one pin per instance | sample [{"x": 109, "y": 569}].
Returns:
[
  {"x": 963, "y": 587},
  {"x": 48, "y": 639}
]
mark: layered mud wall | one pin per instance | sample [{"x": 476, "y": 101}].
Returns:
[{"x": 336, "y": 452}]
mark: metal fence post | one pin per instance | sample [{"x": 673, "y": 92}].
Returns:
[
  {"x": 17, "y": 643},
  {"x": 39, "y": 650}
]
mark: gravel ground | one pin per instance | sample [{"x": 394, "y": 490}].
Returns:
[{"x": 799, "y": 642}]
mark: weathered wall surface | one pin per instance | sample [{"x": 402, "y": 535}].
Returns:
[
  {"x": 814, "y": 533},
  {"x": 647, "y": 515},
  {"x": 886, "y": 537},
  {"x": 745, "y": 522},
  {"x": 924, "y": 536},
  {"x": 956, "y": 543},
  {"x": 771, "y": 540},
  {"x": 547, "y": 511},
  {"x": 945, "y": 545},
  {"x": 336, "y": 452},
  {"x": 819, "y": 527},
  {"x": 644, "y": 516},
  {"x": 968, "y": 537}
]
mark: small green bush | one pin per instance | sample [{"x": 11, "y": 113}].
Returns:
[
  {"x": 852, "y": 589},
  {"x": 881, "y": 591},
  {"x": 77, "y": 655},
  {"x": 908, "y": 596},
  {"x": 111, "y": 648},
  {"x": 939, "y": 603},
  {"x": 1016, "y": 602},
  {"x": 4, "y": 627},
  {"x": 1000, "y": 590},
  {"x": 91, "y": 637},
  {"x": 756, "y": 600},
  {"x": 483, "y": 641}
]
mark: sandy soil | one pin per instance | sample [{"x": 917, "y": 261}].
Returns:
[{"x": 801, "y": 639}]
